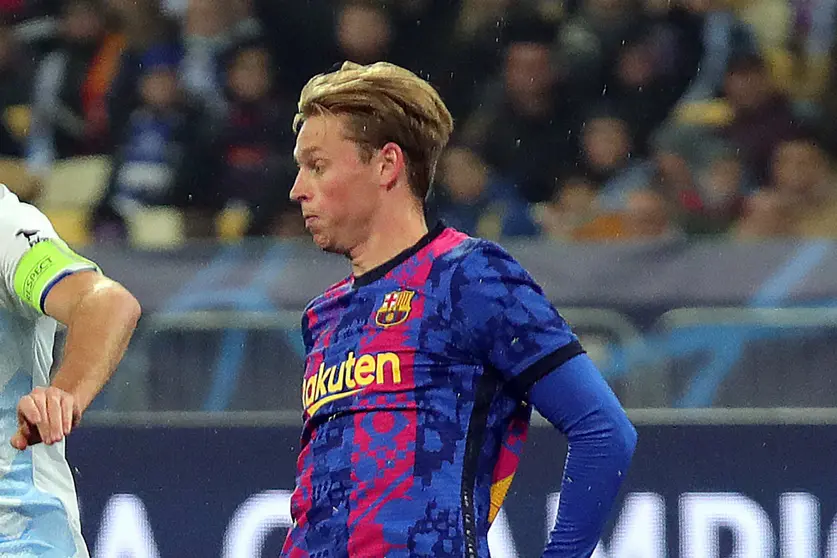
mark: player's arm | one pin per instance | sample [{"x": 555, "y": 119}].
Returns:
[
  {"x": 601, "y": 440},
  {"x": 100, "y": 316},
  {"x": 517, "y": 331}
]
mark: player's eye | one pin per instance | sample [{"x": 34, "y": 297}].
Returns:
[{"x": 317, "y": 167}]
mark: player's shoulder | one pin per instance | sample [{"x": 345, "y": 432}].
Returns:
[
  {"x": 454, "y": 247},
  {"x": 474, "y": 252},
  {"x": 483, "y": 265},
  {"x": 330, "y": 293},
  {"x": 19, "y": 219}
]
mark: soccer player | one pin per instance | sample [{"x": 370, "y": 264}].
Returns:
[
  {"x": 44, "y": 281},
  {"x": 422, "y": 366}
]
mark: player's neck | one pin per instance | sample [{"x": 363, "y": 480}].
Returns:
[{"x": 389, "y": 235}]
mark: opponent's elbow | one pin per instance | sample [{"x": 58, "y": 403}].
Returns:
[
  {"x": 117, "y": 304},
  {"x": 127, "y": 306}
]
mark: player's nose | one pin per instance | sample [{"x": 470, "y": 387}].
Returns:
[{"x": 299, "y": 190}]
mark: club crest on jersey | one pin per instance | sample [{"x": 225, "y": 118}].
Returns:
[{"x": 395, "y": 308}]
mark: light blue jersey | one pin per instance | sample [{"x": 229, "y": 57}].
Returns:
[{"x": 39, "y": 514}]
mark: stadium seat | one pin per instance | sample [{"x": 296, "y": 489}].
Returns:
[
  {"x": 14, "y": 175},
  {"x": 714, "y": 112},
  {"x": 71, "y": 224},
  {"x": 79, "y": 182},
  {"x": 157, "y": 228},
  {"x": 801, "y": 80},
  {"x": 232, "y": 222},
  {"x": 17, "y": 119},
  {"x": 769, "y": 20}
]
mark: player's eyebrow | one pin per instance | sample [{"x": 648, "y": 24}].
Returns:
[{"x": 305, "y": 153}]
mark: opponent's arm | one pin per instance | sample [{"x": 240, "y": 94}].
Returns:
[
  {"x": 577, "y": 401},
  {"x": 100, "y": 315}
]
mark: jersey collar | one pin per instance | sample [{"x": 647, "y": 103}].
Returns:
[{"x": 374, "y": 274}]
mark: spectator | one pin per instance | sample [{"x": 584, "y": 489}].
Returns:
[
  {"x": 723, "y": 38},
  {"x": 254, "y": 167},
  {"x": 574, "y": 215},
  {"x": 718, "y": 201},
  {"x": 802, "y": 172},
  {"x": 515, "y": 81},
  {"x": 205, "y": 37},
  {"x": 767, "y": 215},
  {"x": 608, "y": 163},
  {"x": 639, "y": 90},
  {"x": 69, "y": 115},
  {"x": 423, "y": 31},
  {"x": 702, "y": 177},
  {"x": 12, "y": 9},
  {"x": 15, "y": 88},
  {"x": 762, "y": 117},
  {"x": 300, "y": 36},
  {"x": 244, "y": 27},
  {"x": 675, "y": 34},
  {"x": 826, "y": 108},
  {"x": 475, "y": 54},
  {"x": 590, "y": 40},
  {"x": 648, "y": 216},
  {"x": 526, "y": 129},
  {"x": 796, "y": 37},
  {"x": 474, "y": 200},
  {"x": 679, "y": 154},
  {"x": 802, "y": 199},
  {"x": 363, "y": 32},
  {"x": 34, "y": 21},
  {"x": 144, "y": 29},
  {"x": 159, "y": 161}
]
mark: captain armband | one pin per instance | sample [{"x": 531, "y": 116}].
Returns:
[{"x": 45, "y": 264}]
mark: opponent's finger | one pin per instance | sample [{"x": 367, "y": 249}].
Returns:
[
  {"x": 28, "y": 409},
  {"x": 39, "y": 397},
  {"x": 20, "y": 439},
  {"x": 55, "y": 418},
  {"x": 26, "y": 435},
  {"x": 67, "y": 414}
]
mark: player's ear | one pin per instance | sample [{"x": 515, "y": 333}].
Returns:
[{"x": 391, "y": 163}]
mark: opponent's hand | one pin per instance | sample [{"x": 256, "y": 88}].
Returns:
[{"x": 47, "y": 415}]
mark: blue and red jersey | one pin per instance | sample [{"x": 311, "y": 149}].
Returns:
[{"x": 414, "y": 400}]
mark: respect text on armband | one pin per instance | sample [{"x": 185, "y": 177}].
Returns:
[{"x": 34, "y": 275}]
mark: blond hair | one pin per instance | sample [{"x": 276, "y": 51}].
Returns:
[{"x": 384, "y": 103}]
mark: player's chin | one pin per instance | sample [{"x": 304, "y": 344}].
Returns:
[{"x": 323, "y": 241}]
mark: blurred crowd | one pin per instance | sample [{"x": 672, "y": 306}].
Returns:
[{"x": 577, "y": 120}]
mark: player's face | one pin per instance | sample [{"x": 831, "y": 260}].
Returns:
[{"x": 336, "y": 189}]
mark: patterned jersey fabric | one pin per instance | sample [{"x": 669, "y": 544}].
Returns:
[{"x": 414, "y": 400}]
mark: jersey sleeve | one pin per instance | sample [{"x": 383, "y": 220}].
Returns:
[
  {"x": 505, "y": 319},
  {"x": 33, "y": 258}
]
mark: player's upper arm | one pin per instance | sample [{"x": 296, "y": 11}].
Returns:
[
  {"x": 33, "y": 259},
  {"x": 506, "y": 319}
]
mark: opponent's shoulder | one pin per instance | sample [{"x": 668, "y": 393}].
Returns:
[
  {"x": 22, "y": 226},
  {"x": 21, "y": 220}
]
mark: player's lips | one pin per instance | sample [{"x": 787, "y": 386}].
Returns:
[{"x": 309, "y": 219}]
